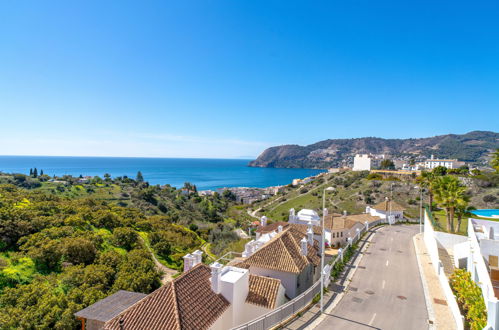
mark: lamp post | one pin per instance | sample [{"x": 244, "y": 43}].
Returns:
[
  {"x": 420, "y": 208},
  {"x": 323, "y": 243}
]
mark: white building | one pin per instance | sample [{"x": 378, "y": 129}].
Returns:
[
  {"x": 304, "y": 216},
  {"x": 362, "y": 163},
  {"x": 289, "y": 256},
  {"x": 387, "y": 210},
  {"x": 216, "y": 297},
  {"x": 448, "y": 163}
]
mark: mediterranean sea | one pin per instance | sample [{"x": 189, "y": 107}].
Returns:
[{"x": 204, "y": 173}]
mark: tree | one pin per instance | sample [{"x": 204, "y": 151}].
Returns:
[
  {"x": 426, "y": 180},
  {"x": 125, "y": 237},
  {"x": 107, "y": 177},
  {"x": 79, "y": 251},
  {"x": 463, "y": 210},
  {"x": 139, "y": 177},
  {"x": 495, "y": 160},
  {"x": 41, "y": 172},
  {"x": 387, "y": 164},
  {"x": 30, "y": 172},
  {"x": 35, "y": 173},
  {"x": 449, "y": 194},
  {"x": 440, "y": 171}
]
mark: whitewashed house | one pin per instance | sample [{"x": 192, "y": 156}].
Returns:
[
  {"x": 387, "y": 210},
  {"x": 361, "y": 163},
  {"x": 204, "y": 297},
  {"x": 304, "y": 216}
]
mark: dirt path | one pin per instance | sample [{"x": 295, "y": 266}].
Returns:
[{"x": 166, "y": 273}]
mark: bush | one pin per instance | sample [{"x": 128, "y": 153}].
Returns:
[
  {"x": 125, "y": 237},
  {"x": 470, "y": 299}
]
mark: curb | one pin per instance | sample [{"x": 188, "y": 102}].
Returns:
[
  {"x": 348, "y": 279},
  {"x": 429, "y": 306}
]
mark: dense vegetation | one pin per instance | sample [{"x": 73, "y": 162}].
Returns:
[
  {"x": 470, "y": 299},
  {"x": 470, "y": 147},
  {"x": 67, "y": 242}
]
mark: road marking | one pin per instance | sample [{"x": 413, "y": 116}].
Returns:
[
  {"x": 372, "y": 319},
  {"x": 387, "y": 262},
  {"x": 383, "y": 284}
]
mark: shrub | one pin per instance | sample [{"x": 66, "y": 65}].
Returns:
[{"x": 470, "y": 299}]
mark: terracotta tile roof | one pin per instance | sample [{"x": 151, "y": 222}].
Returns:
[
  {"x": 283, "y": 253},
  {"x": 347, "y": 222},
  {"x": 263, "y": 291},
  {"x": 185, "y": 303},
  {"x": 385, "y": 206},
  {"x": 271, "y": 227}
]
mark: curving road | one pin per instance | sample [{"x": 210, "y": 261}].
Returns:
[{"x": 386, "y": 290}]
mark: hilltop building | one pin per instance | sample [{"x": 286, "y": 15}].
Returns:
[
  {"x": 362, "y": 163},
  {"x": 432, "y": 162}
]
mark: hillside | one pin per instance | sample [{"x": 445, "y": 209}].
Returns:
[{"x": 471, "y": 147}]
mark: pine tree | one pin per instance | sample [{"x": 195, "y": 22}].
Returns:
[
  {"x": 30, "y": 172},
  {"x": 41, "y": 172},
  {"x": 139, "y": 177},
  {"x": 35, "y": 173}
]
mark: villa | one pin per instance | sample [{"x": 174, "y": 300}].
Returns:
[
  {"x": 203, "y": 297},
  {"x": 387, "y": 209}
]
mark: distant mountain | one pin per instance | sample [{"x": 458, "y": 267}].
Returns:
[{"x": 471, "y": 147}]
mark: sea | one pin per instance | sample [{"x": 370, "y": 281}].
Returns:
[{"x": 206, "y": 174}]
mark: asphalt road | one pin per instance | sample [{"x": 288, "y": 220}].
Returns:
[{"x": 386, "y": 290}]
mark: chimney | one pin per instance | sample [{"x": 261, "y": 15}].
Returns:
[
  {"x": 291, "y": 215},
  {"x": 325, "y": 212},
  {"x": 189, "y": 260},
  {"x": 216, "y": 269},
  {"x": 310, "y": 236},
  {"x": 304, "y": 246},
  {"x": 198, "y": 257},
  {"x": 279, "y": 229},
  {"x": 248, "y": 249},
  {"x": 263, "y": 221},
  {"x": 345, "y": 213}
]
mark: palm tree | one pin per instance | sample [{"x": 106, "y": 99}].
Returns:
[
  {"x": 449, "y": 194},
  {"x": 426, "y": 180},
  {"x": 463, "y": 210}
]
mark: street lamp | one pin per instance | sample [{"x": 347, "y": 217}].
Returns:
[
  {"x": 420, "y": 208},
  {"x": 323, "y": 243}
]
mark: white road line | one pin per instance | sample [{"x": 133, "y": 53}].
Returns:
[
  {"x": 387, "y": 262},
  {"x": 383, "y": 284},
  {"x": 372, "y": 319}
]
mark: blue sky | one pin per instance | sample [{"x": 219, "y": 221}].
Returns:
[{"x": 230, "y": 78}]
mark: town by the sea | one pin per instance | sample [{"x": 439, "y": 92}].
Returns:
[{"x": 206, "y": 174}]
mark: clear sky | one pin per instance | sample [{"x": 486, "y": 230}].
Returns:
[{"x": 230, "y": 78}]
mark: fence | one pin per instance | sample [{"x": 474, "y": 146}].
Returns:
[
  {"x": 432, "y": 247},
  {"x": 293, "y": 307}
]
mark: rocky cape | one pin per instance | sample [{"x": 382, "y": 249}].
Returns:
[{"x": 473, "y": 147}]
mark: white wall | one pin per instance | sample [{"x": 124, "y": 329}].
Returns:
[
  {"x": 449, "y": 240},
  {"x": 288, "y": 280},
  {"x": 361, "y": 163},
  {"x": 432, "y": 248},
  {"x": 224, "y": 322}
]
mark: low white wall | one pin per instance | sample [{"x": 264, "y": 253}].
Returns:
[
  {"x": 430, "y": 240},
  {"x": 449, "y": 240}
]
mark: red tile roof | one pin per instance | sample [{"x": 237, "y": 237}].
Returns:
[
  {"x": 185, "y": 303},
  {"x": 263, "y": 291}
]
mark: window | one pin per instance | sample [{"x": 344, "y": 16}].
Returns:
[{"x": 341, "y": 234}]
